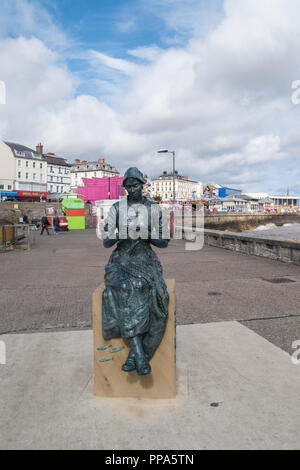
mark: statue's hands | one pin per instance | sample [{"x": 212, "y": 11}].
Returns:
[
  {"x": 139, "y": 232},
  {"x": 108, "y": 241}
]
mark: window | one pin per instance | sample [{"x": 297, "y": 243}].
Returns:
[
  {"x": 9, "y": 186},
  {"x": 76, "y": 175},
  {"x": 51, "y": 169},
  {"x": 41, "y": 177},
  {"x": 41, "y": 165},
  {"x": 1, "y": 186},
  {"x": 51, "y": 188},
  {"x": 33, "y": 164},
  {"x": 59, "y": 170},
  {"x": 62, "y": 189},
  {"x": 57, "y": 189},
  {"x": 19, "y": 154},
  {"x": 34, "y": 176},
  {"x": 19, "y": 162},
  {"x": 19, "y": 174},
  {"x": 27, "y": 163},
  {"x": 51, "y": 178},
  {"x": 61, "y": 180},
  {"x": 27, "y": 176}
]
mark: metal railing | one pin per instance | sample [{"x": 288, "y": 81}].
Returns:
[{"x": 17, "y": 236}]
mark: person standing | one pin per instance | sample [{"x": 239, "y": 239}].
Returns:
[
  {"x": 25, "y": 221},
  {"x": 45, "y": 224},
  {"x": 34, "y": 223}
]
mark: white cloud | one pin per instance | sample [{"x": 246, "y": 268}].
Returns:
[
  {"x": 29, "y": 18},
  {"x": 149, "y": 53},
  {"x": 222, "y": 102},
  {"x": 118, "y": 64}
]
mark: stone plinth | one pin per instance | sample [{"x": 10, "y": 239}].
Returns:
[{"x": 111, "y": 381}]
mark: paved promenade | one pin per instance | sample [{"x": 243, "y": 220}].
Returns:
[
  {"x": 50, "y": 287},
  {"x": 237, "y": 387}
]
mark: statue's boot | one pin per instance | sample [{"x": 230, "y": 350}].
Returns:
[
  {"x": 129, "y": 365},
  {"x": 142, "y": 366}
]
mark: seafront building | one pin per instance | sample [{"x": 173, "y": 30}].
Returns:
[
  {"x": 22, "y": 168},
  {"x": 84, "y": 169},
  {"x": 58, "y": 172},
  {"x": 185, "y": 188},
  {"x": 286, "y": 201}
]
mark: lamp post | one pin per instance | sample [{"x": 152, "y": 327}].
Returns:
[{"x": 173, "y": 152}]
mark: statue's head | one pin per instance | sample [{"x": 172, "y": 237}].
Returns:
[{"x": 133, "y": 183}]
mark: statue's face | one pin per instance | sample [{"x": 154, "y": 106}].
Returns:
[{"x": 134, "y": 188}]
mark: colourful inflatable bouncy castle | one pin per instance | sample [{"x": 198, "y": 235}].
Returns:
[{"x": 74, "y": 210}]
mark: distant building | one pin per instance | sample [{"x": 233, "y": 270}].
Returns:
[
  {"x": 58, "y": 174},
  {"x": 211, "y": 190},
  {"x": 286, "y": 201},
  {"x": 85, "y": 169},
  {"x": 184, "y": 188},
  {"x": 224, "y": 192},
  {"x": 22, "y": 168}
]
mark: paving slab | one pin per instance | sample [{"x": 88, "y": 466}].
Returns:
[{"x": 46, "y": 398}]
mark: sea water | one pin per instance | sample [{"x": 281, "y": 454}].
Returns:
[{"x": 272, "y": 231}]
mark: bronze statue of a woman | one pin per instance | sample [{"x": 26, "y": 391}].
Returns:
[{"x": 135, "y": 298}]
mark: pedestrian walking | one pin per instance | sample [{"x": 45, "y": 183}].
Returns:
[
  {"x": 45, "y": 224},
  {"x": 56, "y": 224}
]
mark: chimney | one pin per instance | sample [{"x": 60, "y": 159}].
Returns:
[
  {"x": 101, "y": 160},
  {"x": 76, "y": 161},
  {"x": 185, "y": 177},
  {"x": 39, "y": 148},
  {"x": 84, "y": 161}
]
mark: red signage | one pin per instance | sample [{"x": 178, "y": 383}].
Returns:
[{"x": 32, "y": 194}]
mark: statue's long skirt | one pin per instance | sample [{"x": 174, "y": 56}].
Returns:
[{"x": 135, "y": 299}]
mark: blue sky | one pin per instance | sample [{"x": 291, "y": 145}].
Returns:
[
  {"x": 118, "y": 27},
  {"x": 121, "y": 79}
]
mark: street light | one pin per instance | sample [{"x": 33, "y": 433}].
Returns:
[{"x": 173, "y": 152}]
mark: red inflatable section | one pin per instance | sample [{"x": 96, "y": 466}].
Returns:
[{"x": 75, "y": 212}]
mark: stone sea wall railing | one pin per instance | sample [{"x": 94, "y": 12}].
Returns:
[{"x": 286, "y": 250}]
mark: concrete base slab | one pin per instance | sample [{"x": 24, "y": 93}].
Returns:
[{"x": 47, "y": 402}]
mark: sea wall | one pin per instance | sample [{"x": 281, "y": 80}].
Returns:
[{"x": 285, "y": 250}]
